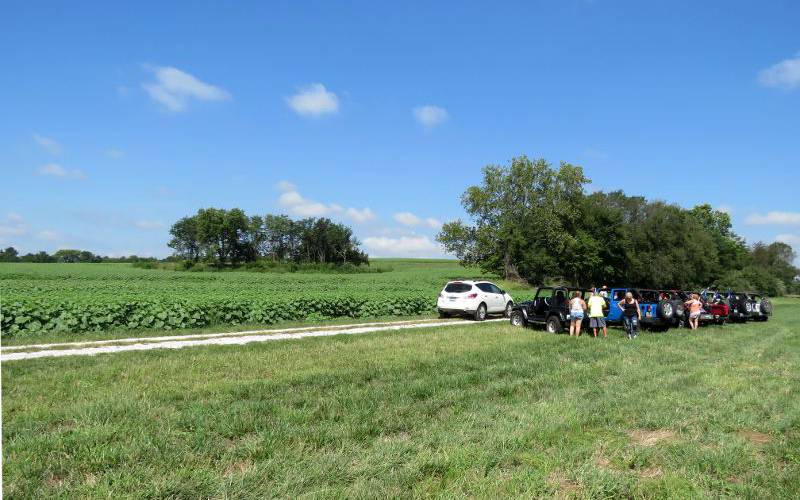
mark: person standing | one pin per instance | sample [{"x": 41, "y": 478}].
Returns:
[
  {"x": 576, "y": 308},
  {"x": 604, "y": 292},
  {"x": 695, "y": 309},
  {"x": 597, "y": 318},
  {"x": 631, "y": 314}
]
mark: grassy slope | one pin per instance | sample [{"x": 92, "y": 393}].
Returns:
[{"x": 486, "y": 410}]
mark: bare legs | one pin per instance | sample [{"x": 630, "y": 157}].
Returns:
[{"x": 575, "y": 327}]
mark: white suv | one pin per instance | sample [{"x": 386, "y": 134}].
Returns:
[{"x": 475, "y": 298}]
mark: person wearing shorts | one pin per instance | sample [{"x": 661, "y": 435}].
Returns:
[
  {"x": 597, "y": 318},
  {"x": 695, "y": 308},
  {"x": 576, "y": 308},
  {"x": 631, "y": 314}
]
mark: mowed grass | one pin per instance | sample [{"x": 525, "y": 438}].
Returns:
[{"x": 485, "y": 410}]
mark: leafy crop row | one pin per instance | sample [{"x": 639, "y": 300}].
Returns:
[
  {"x": 41, "y": 298},
  {"x": 21, "y": 317}
]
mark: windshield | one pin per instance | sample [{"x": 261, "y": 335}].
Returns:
[{"x": 457, "y": 287}]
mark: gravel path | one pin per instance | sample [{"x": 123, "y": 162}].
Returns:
[{"x": 92, "y": 348}]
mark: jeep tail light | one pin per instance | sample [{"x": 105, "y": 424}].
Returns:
[{"x": 472, "y": 296}]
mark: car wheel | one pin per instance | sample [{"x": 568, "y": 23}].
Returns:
[
  {"x": 509, "y": 306},
  {"x": 766, "y": 306},
  {"x": 480, "y": 313},
  {"x": 517, "y": 319},
  {"x": 443, "y": 314},
  {"x": 554, "y": 325}
]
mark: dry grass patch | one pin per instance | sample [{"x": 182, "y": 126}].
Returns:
[
  {"x": 650, "y": 472},
  {"x": 644, "y": 437},
  {"x": 564, "y": 487},
  {"x": 755, "y": 437},
  {"x": 238, "y": 467}
]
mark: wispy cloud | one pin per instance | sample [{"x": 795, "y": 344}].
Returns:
[
  {"x": 410, "y": 220},
  {"x": 785, "y": 74},
  {"x": 48, "y": 144},
  {"x": 404, "y": 246},
  {"x": 12, "y": 225},
  {"x": 314, "y": 100},
  {"x": 48, "y": 235},
  {"x": 774, "y": 218},
  {"x": 430, "y": 116},
  {"x": 406, "y": 219},
  {"x": 173, "y": 88},
  {"x": 115, "y": 154},
  {"x": 291, "y": 199},
  {"x": 56, "y": 170}
]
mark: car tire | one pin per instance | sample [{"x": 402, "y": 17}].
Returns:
[
  {"x": 766, "y": 307},
  {"x": 444, "y": 315},
  {"x": 554, "y": 325},
  {"x": 517, "y": 319},
  {"x": 509, "y": 306},
  {"x": 480, "y": 312}
]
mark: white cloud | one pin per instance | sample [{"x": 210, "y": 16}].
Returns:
[
  {"x": 429, "y": 116},
  {"x": 725, "y": 208},
  {"x": 410, "y": 220},
  {"x": 363, "y": 215},
  {"x": 785, "y": 74},
  {"x": 404, "y": 246},
  {"x": 49, "y": 145},
  {"x": 173, "y": 88},
  {"x": 314, "y": 100},
  {"x": 115, "y": 154},
  {"x": 789, "y": 239},
  {"x": 407, "y": 219},
  {"x": 433, "y": 223},
  {"x": 774, "y": 218},
  {"x": 56, "y": 170},
  {"x": 297, "y": 205},
  {"x": 48, "y": 235},
  {"x": 12, "y": 225},
  {"x": 149, "y": 224}
]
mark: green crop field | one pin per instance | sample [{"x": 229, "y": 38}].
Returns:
[
  {"x": 64, "y": 300},
  {"x": 486, "y": 410}
]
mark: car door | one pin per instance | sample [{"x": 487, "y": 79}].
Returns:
[
  {"x": 497, "y": 298},
  {"x": 614, "y": 311},
  {"x": 488, "y": 296}
]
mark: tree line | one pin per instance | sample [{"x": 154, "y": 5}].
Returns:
[
  {"x": 534, "y": 222},
  {"x": 231, "y": 237},
  {"x": 69, "y": 256}
]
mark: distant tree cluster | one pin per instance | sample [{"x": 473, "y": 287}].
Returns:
[
  {"x": 68, "y": 256},
  {"x": 536, "y": 223},
  {"x": 230, "y": 237}
]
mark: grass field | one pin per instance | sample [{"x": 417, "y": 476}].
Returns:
[
  {"x": 75, "y": 301},
  {"x": 485, "y": 410}
]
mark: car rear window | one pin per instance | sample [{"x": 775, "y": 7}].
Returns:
[{"x": 457, "y": 287}]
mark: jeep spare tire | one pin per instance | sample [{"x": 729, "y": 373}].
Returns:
[
  {"x": 665, "y": 309},
  {"x": 766, "y": 306}
]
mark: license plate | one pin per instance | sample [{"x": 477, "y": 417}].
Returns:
[
  {"x": 707, "y": 316},
  {"x": 453, "y": 299}
]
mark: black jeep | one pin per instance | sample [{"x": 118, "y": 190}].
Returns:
[
  {"x": 762, "y": 306},
  {"x": 741, "y": 306},
  {"x": 550, "y": 307}
]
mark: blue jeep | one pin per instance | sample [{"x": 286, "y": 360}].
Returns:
[{"x": 657, "y": 311}]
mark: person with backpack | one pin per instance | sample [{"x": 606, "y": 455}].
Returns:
[{"x": 631, "y": 314}]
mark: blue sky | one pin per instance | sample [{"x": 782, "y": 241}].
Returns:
[{"x": 118, "y": 118}]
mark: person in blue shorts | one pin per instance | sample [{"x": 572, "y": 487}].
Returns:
[{"x": 576, "y": 308}]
